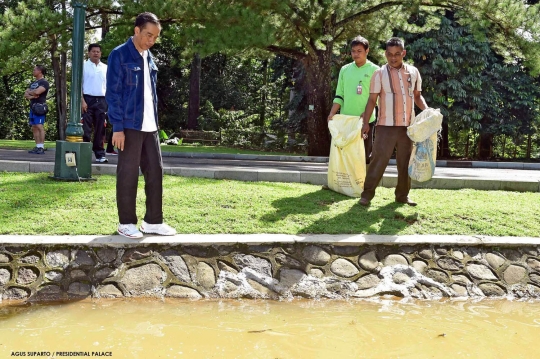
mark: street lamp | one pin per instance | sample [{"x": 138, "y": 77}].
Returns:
[{"x": 73, "y": 160}]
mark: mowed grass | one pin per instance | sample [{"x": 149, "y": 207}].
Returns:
[
  {"x": 187, "y": 147},
  {"x": 34, "y": 204}
]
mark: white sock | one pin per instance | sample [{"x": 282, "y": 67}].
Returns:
[{"x": 40, "y": 145}]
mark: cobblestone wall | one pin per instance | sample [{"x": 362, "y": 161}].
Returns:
[{"x": 52, "y": 272}]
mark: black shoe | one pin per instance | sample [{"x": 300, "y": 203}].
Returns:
[
  {"x": 408, "y": 201},
  {"x": 34, "y": 150},
  {"x": 364, "y": 202}
]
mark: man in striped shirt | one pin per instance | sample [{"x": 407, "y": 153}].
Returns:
[{"x": 398, "y": 87}]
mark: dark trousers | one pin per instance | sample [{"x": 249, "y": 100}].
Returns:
[
  {"x": 140, "y": 149},
  {"x": 95, "y": 117},
  {"x": 368, "y": 142},
  {"x": 388, "y": 138}
]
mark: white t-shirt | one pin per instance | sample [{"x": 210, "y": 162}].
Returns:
[
  {"x": 149, "y": 119},
  {"x": 94, "y": 78}
]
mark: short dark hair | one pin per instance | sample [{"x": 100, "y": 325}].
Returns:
[
  {"x": 359, "y": 40},
  {"x": 395, "y": 41},
  {"x": 42, "y": 69},
  {"x": 145, "y": 18},
  {"x": 91, "y": 46}
]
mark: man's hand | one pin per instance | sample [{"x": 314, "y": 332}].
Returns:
[
  {"x": 84, "y": 106},
  {"x": 118, "y": 140},
  {"x": 365, "y": 129},
  {"x": 329, "y": 118}
]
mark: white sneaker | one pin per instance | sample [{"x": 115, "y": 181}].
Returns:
[
  {"x": 129, "y": 230},
  {"x": 162, "y": 229}
]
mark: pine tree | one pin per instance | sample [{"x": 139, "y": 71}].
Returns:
[{"x": 310, "y": 31}]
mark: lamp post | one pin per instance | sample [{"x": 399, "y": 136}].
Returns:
[
  {"x": 73, "y": 158},
  {"x": 74, "y": 131}
]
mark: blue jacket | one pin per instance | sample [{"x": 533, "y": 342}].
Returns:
[{"x": 125, "y": 87}]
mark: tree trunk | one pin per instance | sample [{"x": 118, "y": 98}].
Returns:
[
  {"x": 262, "y": 108},
  {"x": 105, "y": 25},
  {"x": 485, "y": 146},
  {"x": 444, "y": 150},
  {"x": 59, "y": 64},
  {"x": 194, "y": 92},
  {"x": 504, "y": 146},
  {"x": 319, "y": 94},
  {"x": 529, "y": 146}
]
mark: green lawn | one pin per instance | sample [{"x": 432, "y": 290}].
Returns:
[
  {"x": 192, "y": 148},
  {"x": 35, "y": 204}
]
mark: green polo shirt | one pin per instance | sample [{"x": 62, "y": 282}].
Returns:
[{"x": 350, "y": 76}]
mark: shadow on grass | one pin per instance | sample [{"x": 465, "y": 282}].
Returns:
[{"x": 389, "y": 219}]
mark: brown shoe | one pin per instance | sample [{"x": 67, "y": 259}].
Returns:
[
  {"x": 408, "y": 201},
  {"x": 364, "y": 202}
]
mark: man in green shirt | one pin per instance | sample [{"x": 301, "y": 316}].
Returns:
[{"x": 352, "y": 92}]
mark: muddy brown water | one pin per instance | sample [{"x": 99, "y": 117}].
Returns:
[{"x": 382, "y": 328}]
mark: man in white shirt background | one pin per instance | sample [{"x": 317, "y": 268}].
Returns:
[{"x": 94, "y": 106}]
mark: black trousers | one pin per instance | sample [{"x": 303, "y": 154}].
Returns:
[
  {"x": 388, "y": 138},
  {"x": 141, "y": 149},
  {"x": 94, "y": 117}
]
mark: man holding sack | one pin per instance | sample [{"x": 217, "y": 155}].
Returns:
[{"x": 398, "y": 87}]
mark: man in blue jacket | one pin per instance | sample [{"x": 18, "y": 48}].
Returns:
[{"x": 132, "y": 100}]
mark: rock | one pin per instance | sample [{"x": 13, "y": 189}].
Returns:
[
  {"x": 54, "y": 276},
  {"x": 343, "y": 268},
  {"x": 4, "y": 258},
  {"x": 426, "y": 254},
  {"x": 458, "y": 254},
  {"x": 316, "y": 272},
  {"x": 394, "y": 259},
  {"x": 420, "y": 266},
  {"x": 400, "y": 278},
  {"x": 145, "y": 280},
  {"x": 534, "y": 264},
  {"x": 480, "y": 271},
  {"x": 290, "y": 277},
  {"x": 535, "y": 277},
  {"x": 491, "y": 290},
  {"x": 79, "y": 289},
  {"x": 448, "y": 263},
  {"x": 259, "y": 265},
  {"x": 77, "y": 274},
  {"x": 346, "y": 251},
  {"x": 226, "y": 268},
  {"x": 106, "y": 255},
  {"x": 109, "y": 291},
  {"x": 287, "y": 261},
  {"x": 134, "y": 254},
  {"x": 205, "y": 275},
  {"x": 495, "y": 260},
  {"x": 49, "y": 292},
  {"x": 57, "y": 259},
  {"x": 5, "y": 276},
  {"x": 31, "y": 259},
  {"x": 474, "y": 253},
  {"x": 514, "y": 274},
  {"x": 437, "y": 275},
  {"x": 15, "y": 293},
  {"x": 460, "y": 290},
  {"x": 201, "y": 251},
  {"x": 26, "y": 276},
  {"x": 512, "y": 254},
  {"x": 262, "y": 290},
  {"x": 176, "y": 264},
  {"x": 316, "y": 255},
  {"x": 441, "y": 251},
  {"x": 461, "y": 279},
  {"x": 83, "y": 259},
  {"x": 178, "y": 291},
  {"x": 369, "y": 261},
  {"x": 368, "y": 281},
  {"x": 103, "y": 273}
]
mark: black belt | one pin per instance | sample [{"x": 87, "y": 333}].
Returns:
[{"x": 94, "y": 96}]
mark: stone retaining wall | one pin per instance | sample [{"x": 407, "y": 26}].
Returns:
[{"x": 279, "y": 270}]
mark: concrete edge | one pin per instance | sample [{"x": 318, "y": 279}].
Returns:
[{"x": 257, "y": 239}]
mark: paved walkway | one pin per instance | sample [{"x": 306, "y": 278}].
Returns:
[{"x": 448, "y": 174}]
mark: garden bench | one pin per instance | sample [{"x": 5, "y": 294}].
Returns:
[{"x": 188, "y": 136}]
